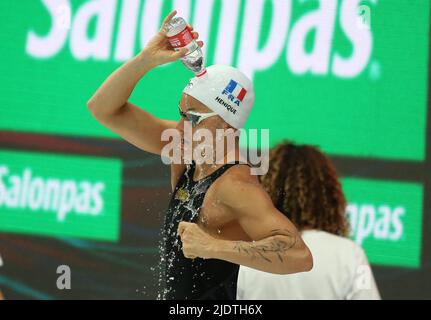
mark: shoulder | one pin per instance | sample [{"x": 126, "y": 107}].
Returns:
[
  {"x": 238, "y": 184},
  {"x": 239, "y": 174},
  {"x": 330, "y": 238},
  {"x": 341, "y": 246},
  {"x": 238, "y": 178}
]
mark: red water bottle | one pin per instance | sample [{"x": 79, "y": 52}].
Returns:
[{"x": 179, "y": 36}]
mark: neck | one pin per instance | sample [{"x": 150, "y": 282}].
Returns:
[{"x": 203, "y": 170}]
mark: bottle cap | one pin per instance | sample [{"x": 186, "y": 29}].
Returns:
[{"x": 201, "y": 73}]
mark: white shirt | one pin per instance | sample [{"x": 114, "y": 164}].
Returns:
[{"x": 340, "y": 271}]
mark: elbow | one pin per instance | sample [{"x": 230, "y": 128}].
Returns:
[
  {"x": 94, "y": 109},
  {"x": 91, "y": 106},
  {"x": 101, "y": 111},
  {"x": 303, "y": 263},
  {"x": 307, "y": 261}
]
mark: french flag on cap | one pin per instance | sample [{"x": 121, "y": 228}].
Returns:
[{"x": 236, "y": 90}]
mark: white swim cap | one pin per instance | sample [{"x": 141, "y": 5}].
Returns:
[{"x": 224, "y": 90}]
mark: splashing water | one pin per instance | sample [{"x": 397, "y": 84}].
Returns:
[{"x": 186, "y": 208}]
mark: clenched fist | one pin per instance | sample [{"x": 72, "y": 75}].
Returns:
[{"x": 196, "y": 242}]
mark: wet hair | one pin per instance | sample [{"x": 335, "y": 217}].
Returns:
[{"x": 303, "y": 184}]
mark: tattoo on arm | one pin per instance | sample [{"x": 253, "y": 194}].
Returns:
[{"x": 273, "y": 246}]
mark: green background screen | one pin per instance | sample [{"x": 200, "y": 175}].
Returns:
[{"x": 349, "y": 76}]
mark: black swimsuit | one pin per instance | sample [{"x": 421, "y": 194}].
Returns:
[{"x": 198, "y": 278}]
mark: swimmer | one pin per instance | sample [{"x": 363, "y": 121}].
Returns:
[{"x": 219, "y": 216}]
